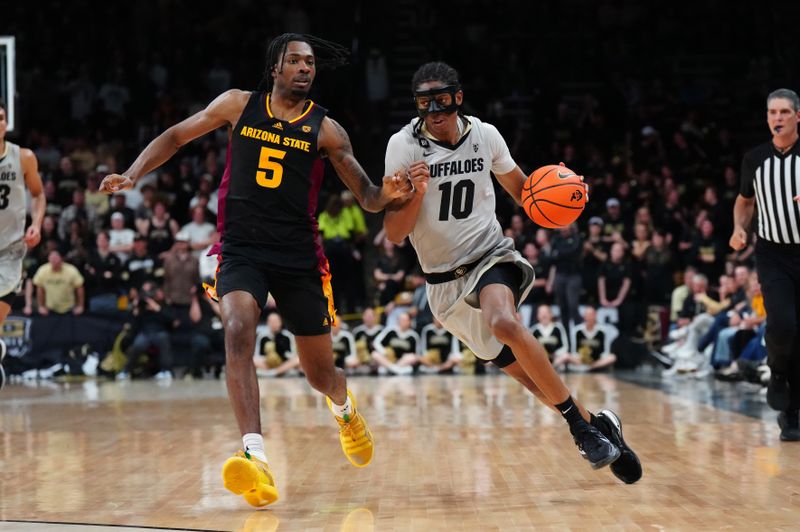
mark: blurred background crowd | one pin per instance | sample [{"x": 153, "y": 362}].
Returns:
[{"x": 655, "y": 110}]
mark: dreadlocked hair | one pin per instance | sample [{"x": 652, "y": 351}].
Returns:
[
  {"x": 435, "y": 71},
  {"x": 327, "y": 54}
]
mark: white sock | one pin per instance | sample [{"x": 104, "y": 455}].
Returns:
[
  {"x": 254, "y": 445},
  {"x": 344, "y": 411}
]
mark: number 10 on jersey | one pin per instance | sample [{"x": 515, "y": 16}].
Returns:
[
  {"x": 268, "y": 161},
  {"x": 456, "y": 200}
]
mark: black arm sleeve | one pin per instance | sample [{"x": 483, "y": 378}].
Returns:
[{"x": 747, "y": 188}]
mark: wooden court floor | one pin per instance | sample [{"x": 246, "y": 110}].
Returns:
[{"x": 452, "y": 453}]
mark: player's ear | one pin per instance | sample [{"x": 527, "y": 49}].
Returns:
[{"x": 459, "y": 97}]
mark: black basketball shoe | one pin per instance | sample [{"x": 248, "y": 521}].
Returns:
[
  {"x": 627, "y": 468},
  {"x": 778, "y": 392},
  {"x": 593, "y": 446},
  {"x": 790, "y": 426}
]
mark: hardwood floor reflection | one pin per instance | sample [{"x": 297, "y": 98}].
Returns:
[{"x": 453, "y": 452}]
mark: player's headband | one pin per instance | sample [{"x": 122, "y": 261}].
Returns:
[{"x": 439, "y": 100}]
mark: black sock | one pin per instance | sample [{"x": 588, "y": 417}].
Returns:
[{"x": 569, "y": 410}]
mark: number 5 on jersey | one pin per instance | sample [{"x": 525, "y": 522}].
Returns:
[{"x": 267, "y": 161}]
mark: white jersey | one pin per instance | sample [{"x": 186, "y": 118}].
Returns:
[
  {"x": 457, "y": 224},
  {"x": 12, "y": 197}
]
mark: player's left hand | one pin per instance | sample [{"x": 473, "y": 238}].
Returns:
[
  {"x": 419, "y": 173},
  {"x": 585, "y": 185},
  {"x": 32, "y": 236},
  {"x": 797, "y": 198}
]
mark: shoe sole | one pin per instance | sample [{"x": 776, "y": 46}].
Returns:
[
  {"x": 240, "y": 476},
  {"x": 612, "y": 417}
]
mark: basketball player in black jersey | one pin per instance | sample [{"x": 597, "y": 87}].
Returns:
[{"x": 267, "y": 201}]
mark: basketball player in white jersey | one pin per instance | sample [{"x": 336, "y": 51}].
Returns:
[
  {"x": 18, "y": 169},
  {"x": 475, "y": 277}
]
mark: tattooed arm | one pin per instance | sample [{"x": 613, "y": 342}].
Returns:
[{"x": 334, "y": 142}]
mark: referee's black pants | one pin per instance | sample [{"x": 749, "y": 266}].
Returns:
[{"x": 778, "y": 267}]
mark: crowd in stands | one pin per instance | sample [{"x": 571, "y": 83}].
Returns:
[{"x": 646, "y": 264}]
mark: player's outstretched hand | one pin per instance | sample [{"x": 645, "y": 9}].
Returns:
[
  {"x": 114, "y": 183},
  {"x": 738, "y": 239}
]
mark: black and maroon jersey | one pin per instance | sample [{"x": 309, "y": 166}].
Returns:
[{"x": 268, "y": 194}]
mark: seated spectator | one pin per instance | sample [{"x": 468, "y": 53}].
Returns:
[
  {"x": 749, "y": 317},
  {"x": 440, "y": 353},
  {"x": 104, "y": 277},
  {"x": 707, "y": 253},
  {"x": 152, "y": 326},
  {"x": 276, "y": 352},
  {"x": 365, "y": 334},
  {"x": 396, "y": 348},
  {"x": 420, "y": 310},
  {"x": 59, "y": 287},
  {"x": 96, "y": 201},
  {"x": 344, "y": 348},
  {"x": 199, "y": 233},
  {"x": 549, "y": 333},
  {"x": 695, "y": 318},
  {"x": 592, "y": 346},
  {"x": 680, "y": 293},
  {"x": 120, "y": 237}
]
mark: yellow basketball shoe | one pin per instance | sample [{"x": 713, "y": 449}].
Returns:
[
  {"x": 248, "y": 476},
  {"x": 354, "y": 435}
]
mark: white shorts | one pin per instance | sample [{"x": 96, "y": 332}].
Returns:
[
  {"x": 455, "y": 303},
  {"x": 11, "y": 267}
]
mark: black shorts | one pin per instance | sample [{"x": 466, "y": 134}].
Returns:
[
  {"x": 304, "y": 297},
  {"x": 506, "y": 273}
]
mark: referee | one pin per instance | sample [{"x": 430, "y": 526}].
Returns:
[{"x": 771, "y": 182}]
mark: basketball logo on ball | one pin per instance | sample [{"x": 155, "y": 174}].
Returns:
[{"x": 554, "y": 196}]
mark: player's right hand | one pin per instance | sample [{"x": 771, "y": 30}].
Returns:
[
  {"x": 115, "y": 182},
  {"x": 738, "y": 239}
]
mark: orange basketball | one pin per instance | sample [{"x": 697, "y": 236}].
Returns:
[{"x": 553, "y": 196}]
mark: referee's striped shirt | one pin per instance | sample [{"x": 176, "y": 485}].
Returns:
[{"x": 774, "y": 179}]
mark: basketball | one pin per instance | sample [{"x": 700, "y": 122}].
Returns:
[{"x": 553, "y": 196}]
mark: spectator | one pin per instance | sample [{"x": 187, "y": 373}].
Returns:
[
  {"x": 66, "y": 180},
  {"x": 592, "y": 346},
  {"x": 613, "y": 222},
  {"x": 595, "y": 252},
  {"x": 336, "y": 229},
  {"x": 277, "y": 352},
  {"x": 152, "y": 326},
  {"x": 365, "y": 334},
  {"x": 396, "y": 348},
  {"x": 389, "y": 273},
  {"x": 707, "y": 253},
  {"x": 141, "y": 266},
  {"x": 440, "y": 351},
  {"x": 614, "y": 285},
  {"x": 538, "y": 293},
  {"x": 159, "y": 229},
  {"x": 552, "y": 335},
  {"x": 96, "y": 201},
  {"x": 119, "y": 204},
  {"x": 344, "y": 348},
  {"x": 680, "y": 293},
  {"x": 658, "y": 267},
  {"x": 59, "y": 287},
  {"x": 181, "y": 274},
  {"x": 104, "y": 277},
  {"x": 78, "y": 212},
  {"x": 121, "y": 238},
  {"x": 565, "y": 273},
  {"x": 208, "y": 338},
  {"x": 420, "y": 310},
  {"x": 199, "y": 233}
]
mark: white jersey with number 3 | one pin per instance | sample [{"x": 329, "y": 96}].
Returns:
[
  {"x": 12, "y": 196},
  {"x": 457, "y": 224}
]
